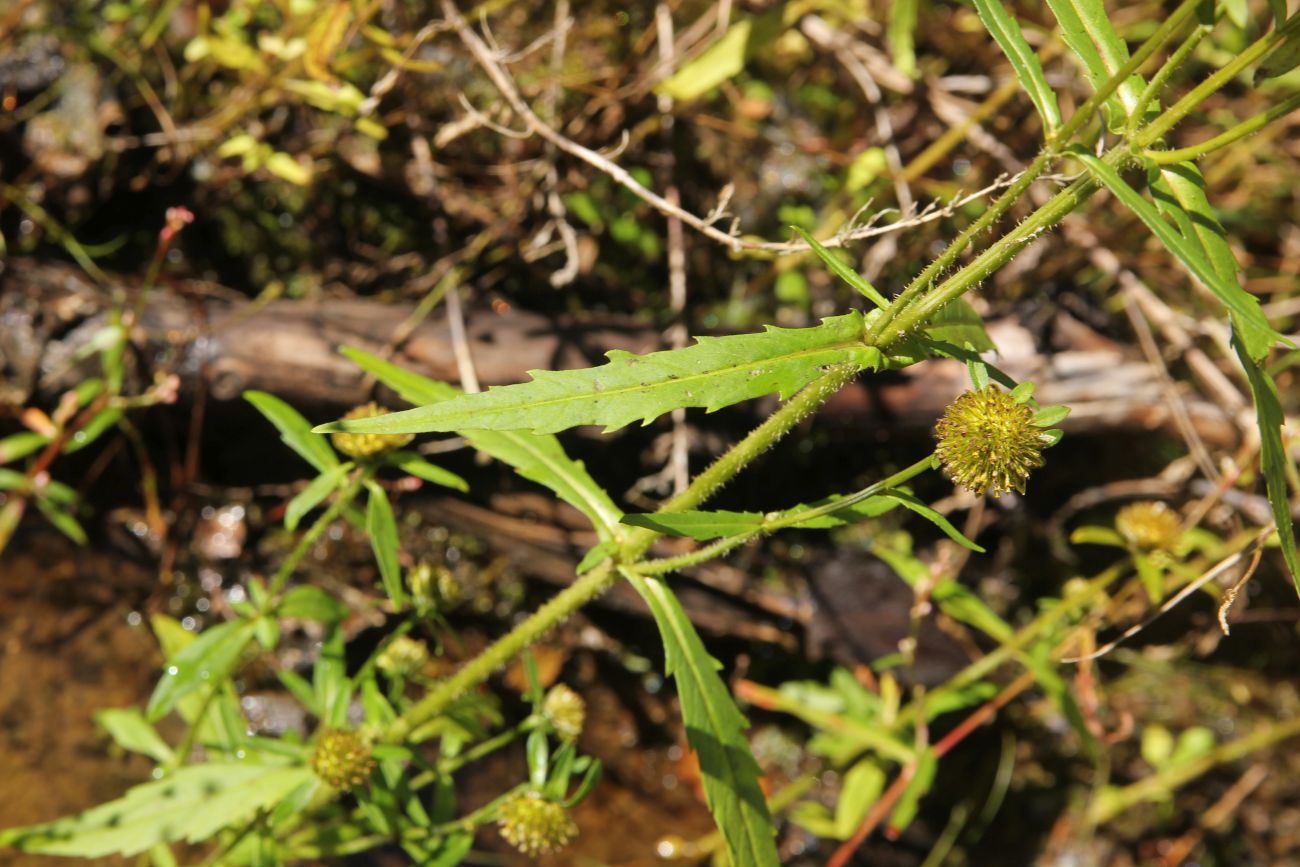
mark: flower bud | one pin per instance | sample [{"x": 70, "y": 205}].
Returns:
[
  {"x": 403, "y": 656},
  {"x": 565, "y": 710},
  {"x": 364, "y": 445},
  {"x": 988, "y": 442},
  {"x": 342, "y": 758},
  {"x": 535, "y": 825}
]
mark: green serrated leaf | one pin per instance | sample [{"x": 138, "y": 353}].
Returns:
[
  {"x": 131, "y": 731},
  {"x": 189, "y": 805},
  {"x": 1004, "y": 28},
  {"x": 1273, "y": 457},
  {"x": 537, "y": 457},
  {"x": 205, "y": 661},
  {"x": 294, "y": 430},
  {"x": 715, "y": 730},
  {"x": 311, "y": 496},
  {"x": 381, "y": 527},
  {"x": 840, "y": 269},
  {"x": 716, "y": 372},
  {"x": 1255, "y": 333}
]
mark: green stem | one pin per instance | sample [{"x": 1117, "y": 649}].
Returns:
[
  {"x": 1112, "y": 803},
  {"x": 1163, "y": 34},
  {"x": 1222, "y": 140},
  {"x": 329, "y": 516},
  {"x": 788, "y": 518},
  {"x": 1158, "y": 81},
  {"x": 949, "y": 256},
  {"x": 481, "y": 667},
  {"x": 1047, "y": 216},
  {"x": 1155, "y": 130},
  {"x": 600, "y": 579}
]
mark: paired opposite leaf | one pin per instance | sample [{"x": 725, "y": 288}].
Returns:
[
  {"x": 1029, "y": 71},
  {"x": 716, "y": 372},
  {"x": 715, "y": 729}
]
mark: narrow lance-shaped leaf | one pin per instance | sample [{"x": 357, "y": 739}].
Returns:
[
  {"x": 1090, "y": 35},
  {"x": 843, "y": 271},
  {"x": 537, "y": 457},
  {"x": 716, "y": 372},
  {"x": 381, "y": 527},
  {"x": 1029, "y": 71},
  {"x": 189, "y": 805},
  {"x": 1273, "y": 457},
  {"x": 715, "y": 730},
  {"x": 294, "y": 430},
  {"x": 1255, "y": 333}
]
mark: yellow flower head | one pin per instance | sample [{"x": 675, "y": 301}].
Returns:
[
  {"x": 364, "y": 445},
  {"x": 342, "y": 758},
  {"x": 404, "y": 656},
  {"x": 988, "y": 442},
  {"x": 536, "y": 825},
  {"x": 1148, "y": 525}
]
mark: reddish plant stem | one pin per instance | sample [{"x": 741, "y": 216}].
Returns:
[{"x": 881, "y": 808}]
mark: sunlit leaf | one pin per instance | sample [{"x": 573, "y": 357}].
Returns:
[
  {"x": 311, "y": 496},
  {"x": 205, "y": 661},
  {"x": 715, "y": 729},
  {"x": 131, "y": 731},
  {"x": 716, "y": 372},
  {"x": 189, "y": 805},
  {"x": 1004, "y": 28}
]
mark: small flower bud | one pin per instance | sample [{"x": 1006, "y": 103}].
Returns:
[
  {"x": 565, "y": 710},
  {"x": 342, "y": 758},
  {"x": 364, "y": 445},
  {"x": 1148, "y": 525},
  {"x": 403, "y": 656},
  {"x": 536, "y": 825},
  {"x": 988, "y": 442}
]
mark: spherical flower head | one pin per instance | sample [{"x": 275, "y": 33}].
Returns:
[
  {"x": 342, "y": 758},
  {"x": 988, "y": 442},
  {"x": 403, "y": 656},
  {"x": 364, "y": 445},
  {"x": 536, "y": 825},
  {"x": 565, "y": 710},
  {"x": 1149, "y": 525}
]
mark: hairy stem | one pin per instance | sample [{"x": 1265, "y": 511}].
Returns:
[{"x": 1223, "y": 139}]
